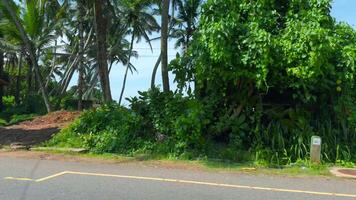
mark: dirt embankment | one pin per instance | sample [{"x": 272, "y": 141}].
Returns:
[{"x": 37, "y": 130}]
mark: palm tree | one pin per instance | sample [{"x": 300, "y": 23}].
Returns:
[
  {"x": 101, "y": 32},
  {"x": 33, "y": 19},
  {"x": 164, "y": 44},
  {"x": 81, "y": 15},
  {"x": 186, "y": 22},
  {"x": 140, "y": 24},
  {"x": 83, "y": 57},
  {"x": 30, "y": 29},
  {"x": 1, "y": 76},
  {"x": 171, "y": 24}
]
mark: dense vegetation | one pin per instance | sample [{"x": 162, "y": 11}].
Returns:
[{"x": 255, "y": 80}]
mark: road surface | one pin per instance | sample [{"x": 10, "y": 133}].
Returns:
[{"x": 41, "y": 179}]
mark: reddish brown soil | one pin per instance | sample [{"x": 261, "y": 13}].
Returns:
[
  {"x": 37, "y": 130},
  {"x": 351, "y": 172}
]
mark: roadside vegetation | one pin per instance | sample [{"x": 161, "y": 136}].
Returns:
[{"x": 254, "y": 80}]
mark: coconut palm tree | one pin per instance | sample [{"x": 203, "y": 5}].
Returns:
[
  {"x": 159, "y": 11},
  {"x": 28, "y": 26},
  {"x": 1, "y": 76},
  {"x": 81, "y": 15},
  {"x": 101, "y": 23},
  {"x": 164, "y": 44},
  {"x": 32, "y": 18},
  {"x": 140, "y": 24},
  {"x": 186, "y": 22}
]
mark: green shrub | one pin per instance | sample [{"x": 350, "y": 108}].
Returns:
[
  {"x": 8, "y": 101},
  {"x": 190, "y": 125},
  {"x": 20, "y": 118},
  {"x": 180, "y": 119},
  {"x": 33, "y": 104},
  {"x": 3, "y": 122},
  {"x": 66, "y": 138},
  {"x": 69, "y": 103},
  {"x": 107, "y": 129}
]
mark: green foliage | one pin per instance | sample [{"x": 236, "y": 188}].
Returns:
[
  {"x": 8, "y": 101},
  {"x": 20, "y": 118},
  {"x": 255, "y": 82},
  {"x": 68, "y": 103},
  {"x": 66, "y": 138},
  {"x": 33, "y": 104},
  {"x": 14, "y": 114},
  {"x": 180, "y": 119},
  {"x": 272, "y": 74},
  {"x": 109, "y": 128},
  {"x": 2, "y": 122}
]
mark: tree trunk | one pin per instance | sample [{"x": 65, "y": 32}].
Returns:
[
  {"x": 153, "y": 78},
  {"x": 53, "y": 64},
  {"x": 127, "y": 69},
  {"x": 18, "y": 79},
  {"x": 101, "y": 23},
  {"x": 164, "y": 44},
  {"x": 81, "y": 53},
  {"x": 31, "y": 52},
  {"x": 29, "y": 77},
  {"x": 1, "y": 76}
]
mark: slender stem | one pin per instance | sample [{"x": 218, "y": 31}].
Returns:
[
  {"x": 154, "y": 72},
  {"x": 17, "y": 96},
  {"x": 127, "y": 69}
]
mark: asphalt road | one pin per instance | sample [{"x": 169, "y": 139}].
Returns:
[{"x": 38, "y": 179}]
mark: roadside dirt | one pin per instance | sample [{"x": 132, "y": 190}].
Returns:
[
  {"x": 37, "y": 130},
  {"x": 83, "y": 158}
]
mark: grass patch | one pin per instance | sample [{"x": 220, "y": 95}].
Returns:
[{"x": 15, "y": 119}]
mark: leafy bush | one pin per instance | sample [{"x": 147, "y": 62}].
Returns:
[
  {"x": 271, "y": 80},
  {"x": 180, "y": 119},
  {"x": 8, "y": 101},
  {"x": 33, "y": 104},
  {"x": 68, "y": 103},
  {"x": 257, "y": 79},
  {"x": 20, "y": 118},
  {"x": 66, "y": 138},
  {"x": 3, "y": 122},
  {"x": 109, "y": 128}
]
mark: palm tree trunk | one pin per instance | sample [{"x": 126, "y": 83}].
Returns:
[
  {"x": 81, "y": 53},
  {"x": 159, "y": 59},
  {"x": 31, "y": 52},
  {"x": 53, "y": 64},
  {"x": 164, "y": 44},
  {"x": 18, "y": 79},
  {"x": 127, "y": 68},
  {"x": 154, "y": 72},
  {"x": 1, "y": 76},
  {"x": 29, "y": 76},
  {"x": 101, "y": 21}
]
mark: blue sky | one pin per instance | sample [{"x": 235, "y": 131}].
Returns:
[{"x": 342, "y": 10}]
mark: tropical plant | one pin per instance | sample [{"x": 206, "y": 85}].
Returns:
[{"x": 140, "y": 23}]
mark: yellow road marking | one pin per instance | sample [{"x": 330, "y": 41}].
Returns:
[
  {"x": 187, "y": 182},
  {"x": 18, "y": 179},
  {"x": 52, "y": 176}
]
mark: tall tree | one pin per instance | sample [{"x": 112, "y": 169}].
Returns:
[
  {"x": 101, "y": 31},
  {"x": 81, "y": 15},
  {"x": 30, "y": 50},
  {"x": 186, "y": 22},
  {"x": 140, "y": 24},
  {"x": 18, "y": 78},
  {"x": 164, "y": 44},
  {"x": 170, "y": 28},
  {"x": 1, "y": 76}
]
